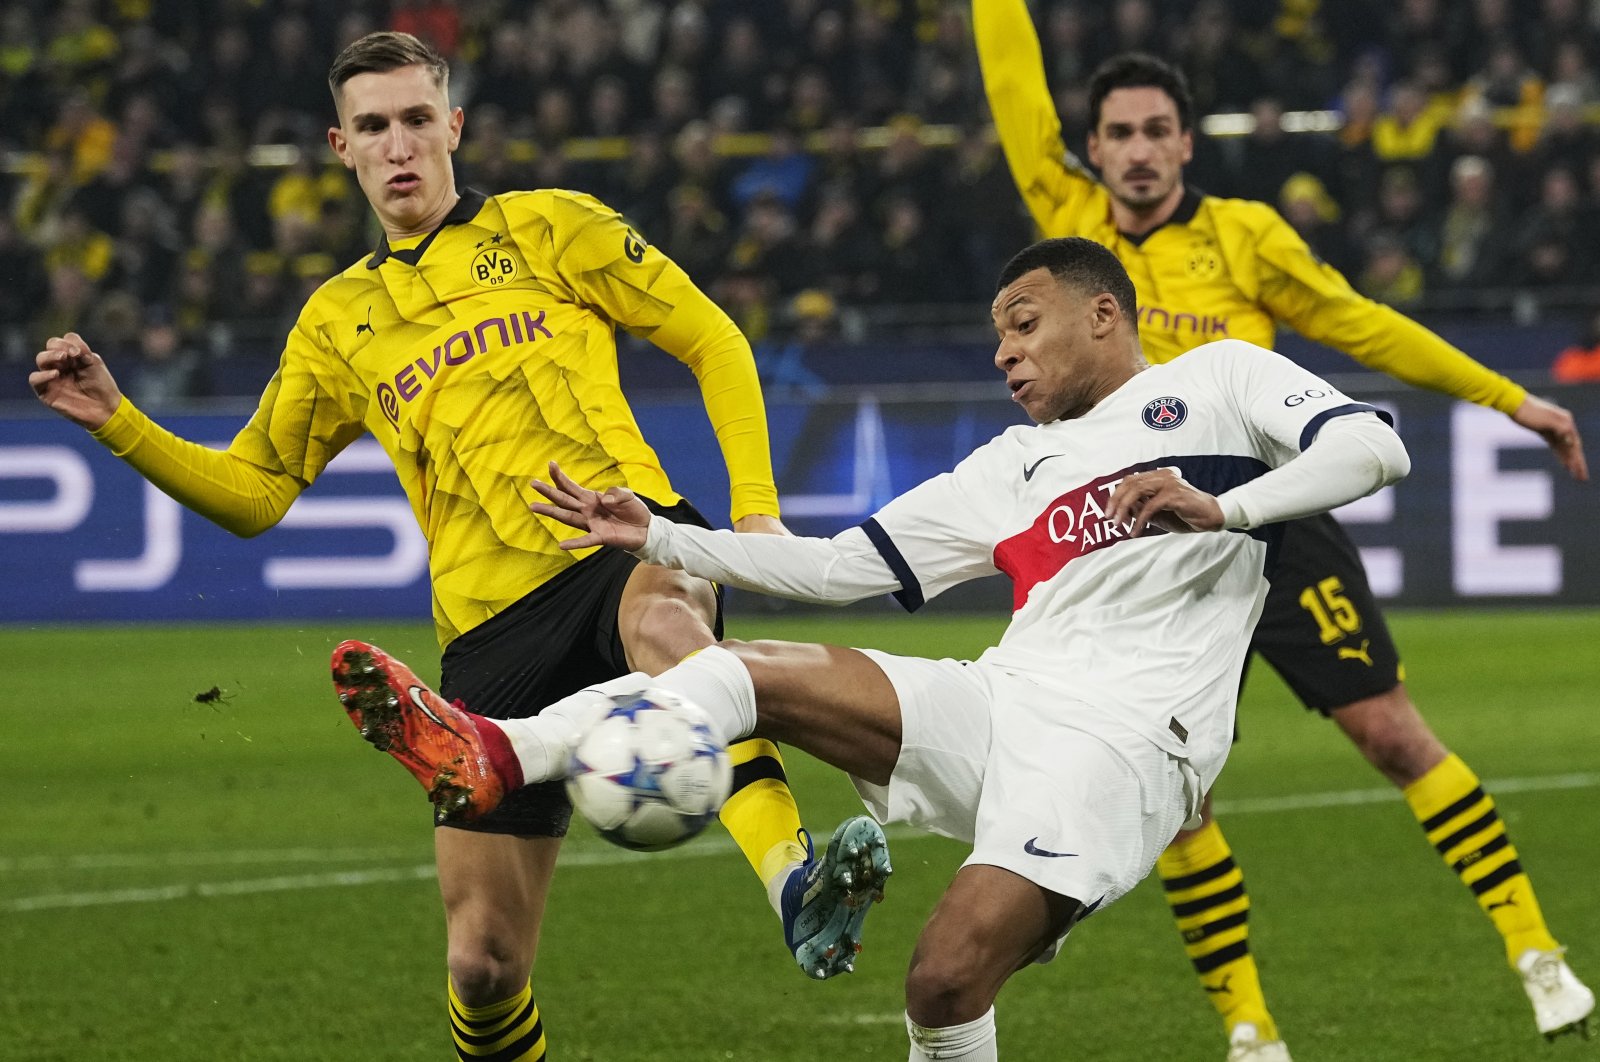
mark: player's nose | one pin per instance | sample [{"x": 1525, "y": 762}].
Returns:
[
  {"x": 398, "y": 148},
  {"x": 1005, "y": 357}
]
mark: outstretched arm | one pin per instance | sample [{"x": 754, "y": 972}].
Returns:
[
  {"x": 821, "y": 570},
  {"x": 1320, "y": 304},
  {"x": 245, "y": 489}
]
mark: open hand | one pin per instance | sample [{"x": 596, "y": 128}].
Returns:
[
  {"x": 614, "y": 518},
  {"x": 1161, "y": 498},
  {"x": 1559, "y": 431},
  {"x": 74, "y": 381}
]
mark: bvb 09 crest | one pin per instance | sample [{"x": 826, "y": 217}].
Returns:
[
  {"x": 494, "y": 267},
  {"x": 1203, "y": 261}
]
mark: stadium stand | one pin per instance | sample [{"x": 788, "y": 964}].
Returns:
[{"x": 823, "y": 167}]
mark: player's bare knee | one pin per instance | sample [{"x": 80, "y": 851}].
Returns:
[
  {"x": 945, "y": 988},
  {"x": 665, "y": 617},
  {"x": 662, "y": 629},
  {"x": 484, "y": 975}
]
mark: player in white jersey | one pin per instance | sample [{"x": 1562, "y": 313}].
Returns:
[{"x": 1070, "y": 754}]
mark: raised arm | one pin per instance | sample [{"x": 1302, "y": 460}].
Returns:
[
  {"x": 1060, "y": 194},
  {"x": 832, "y": 571}
]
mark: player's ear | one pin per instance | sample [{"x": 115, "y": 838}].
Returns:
[
  {"x": 458, "y": 119},
  {"x": 341, "y": 146},
  {"x": 1094, "y": 149},
  {"x": 1105, "y": 313},
  {"x": 1188, "y": 146}
]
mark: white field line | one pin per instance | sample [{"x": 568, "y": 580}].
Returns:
[
  {"x": 577, "y": 857},
  {"x": 1348, "y": 797},
  {"x": 223, "y": 858}
]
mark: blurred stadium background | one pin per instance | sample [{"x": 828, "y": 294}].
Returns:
[{"x": 241, "y": 879}]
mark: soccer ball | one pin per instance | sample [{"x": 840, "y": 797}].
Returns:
[{"x": 650, "y": 774}]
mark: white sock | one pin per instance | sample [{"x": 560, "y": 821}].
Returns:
[
  {"x": 544, "y": 742},
  {"x": 776, "y": 886},
  {"x": 972, "y": 1042},
  {"x": 717, "y": 681}
]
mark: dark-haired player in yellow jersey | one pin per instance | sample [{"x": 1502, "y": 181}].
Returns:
[
  {"x": 477, "y": 344},
  {"x": 1206, "y": 268}
]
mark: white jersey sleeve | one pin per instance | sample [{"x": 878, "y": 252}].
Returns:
[
  {"x": 1286, "y": 409},
  {"x": 1284, "y": 404},
  {"x": 944, "y": 531},
  {"x": 934, "y": 536},
  {"x": 1350, "y": 458},
  {"x": 826, "y": 571}
]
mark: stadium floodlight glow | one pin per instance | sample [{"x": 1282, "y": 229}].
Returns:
[{"x": 1243, "y": 124}]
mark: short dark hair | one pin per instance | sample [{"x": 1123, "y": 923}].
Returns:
[
  {"x": 1139, "y": 70},
  {"x": 1083, "y": 264},
  {"x": 378, "y": 53}
]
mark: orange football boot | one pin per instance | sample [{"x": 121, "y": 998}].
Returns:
[{"x": 466, "y": 768}]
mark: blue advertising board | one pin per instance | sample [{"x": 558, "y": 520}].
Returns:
[{"x": 1485, "y": 517}]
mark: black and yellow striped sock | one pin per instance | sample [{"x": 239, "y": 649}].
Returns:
[
  {"x": 1205, "y": 889},
  {"x": 1461, "y": 822},
  {"x": 760, "y": 813},
  {"x": 507, "y": 1031}
]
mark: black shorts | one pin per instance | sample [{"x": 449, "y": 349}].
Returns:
[
  {"x": 1321, "y": 628},
  {"x": 553, "y": 642}
]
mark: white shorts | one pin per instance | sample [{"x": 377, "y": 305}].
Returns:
[{"x": 994, "y": 760}]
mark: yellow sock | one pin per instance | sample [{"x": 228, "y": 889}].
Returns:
[
  {"x": 1205, "y": 889},
  {"x": 760, "y": 813},
  {"x": 1461, "y": 822},
  {"x": 507, "y": 1031}
]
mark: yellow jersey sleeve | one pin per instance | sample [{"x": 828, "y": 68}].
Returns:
[
  {"x": 1315, "y": 300},
  {"x": 1063, "y": 197},
  {"x": 306, "y": 415},
  {"x": 233, "y": 493},
  {"x": 611, "y": 269}
]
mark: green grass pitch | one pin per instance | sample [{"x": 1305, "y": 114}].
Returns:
[{"x": 245, "y": 879}]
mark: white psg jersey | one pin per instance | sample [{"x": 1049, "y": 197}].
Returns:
[
  {"x": 1140, "y": 635},
  {"x": 1146, "y": 634}
]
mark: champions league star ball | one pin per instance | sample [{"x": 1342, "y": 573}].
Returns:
[{"x": 651, "y": 774}]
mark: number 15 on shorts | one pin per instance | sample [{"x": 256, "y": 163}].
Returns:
[{"x": 1335, "y": 614}]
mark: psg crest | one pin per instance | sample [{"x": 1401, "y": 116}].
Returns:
[{"x": 1164, "y": 414}]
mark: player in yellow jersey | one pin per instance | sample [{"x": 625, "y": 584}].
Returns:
[
  {"x": 476, "y": 344},
  {"x": 1207, "y": 268}
]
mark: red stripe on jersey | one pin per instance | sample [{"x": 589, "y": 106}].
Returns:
[
  {"x": 1075, "y": 523},
  {"x": 1072, "y": 525}
]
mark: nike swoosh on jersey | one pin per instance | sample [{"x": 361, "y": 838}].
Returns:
[
  {"x": 1033, "y": 849},
  {"x": 1028, "y": 470},
  {"x": 426, "y": 709}
]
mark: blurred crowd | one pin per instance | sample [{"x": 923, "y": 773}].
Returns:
[{"x": 807, "y": 161}]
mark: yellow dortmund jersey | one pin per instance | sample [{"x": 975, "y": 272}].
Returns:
[
  {"x": 475, "y": 356},
  {"x": 1219, "y": 268}
]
